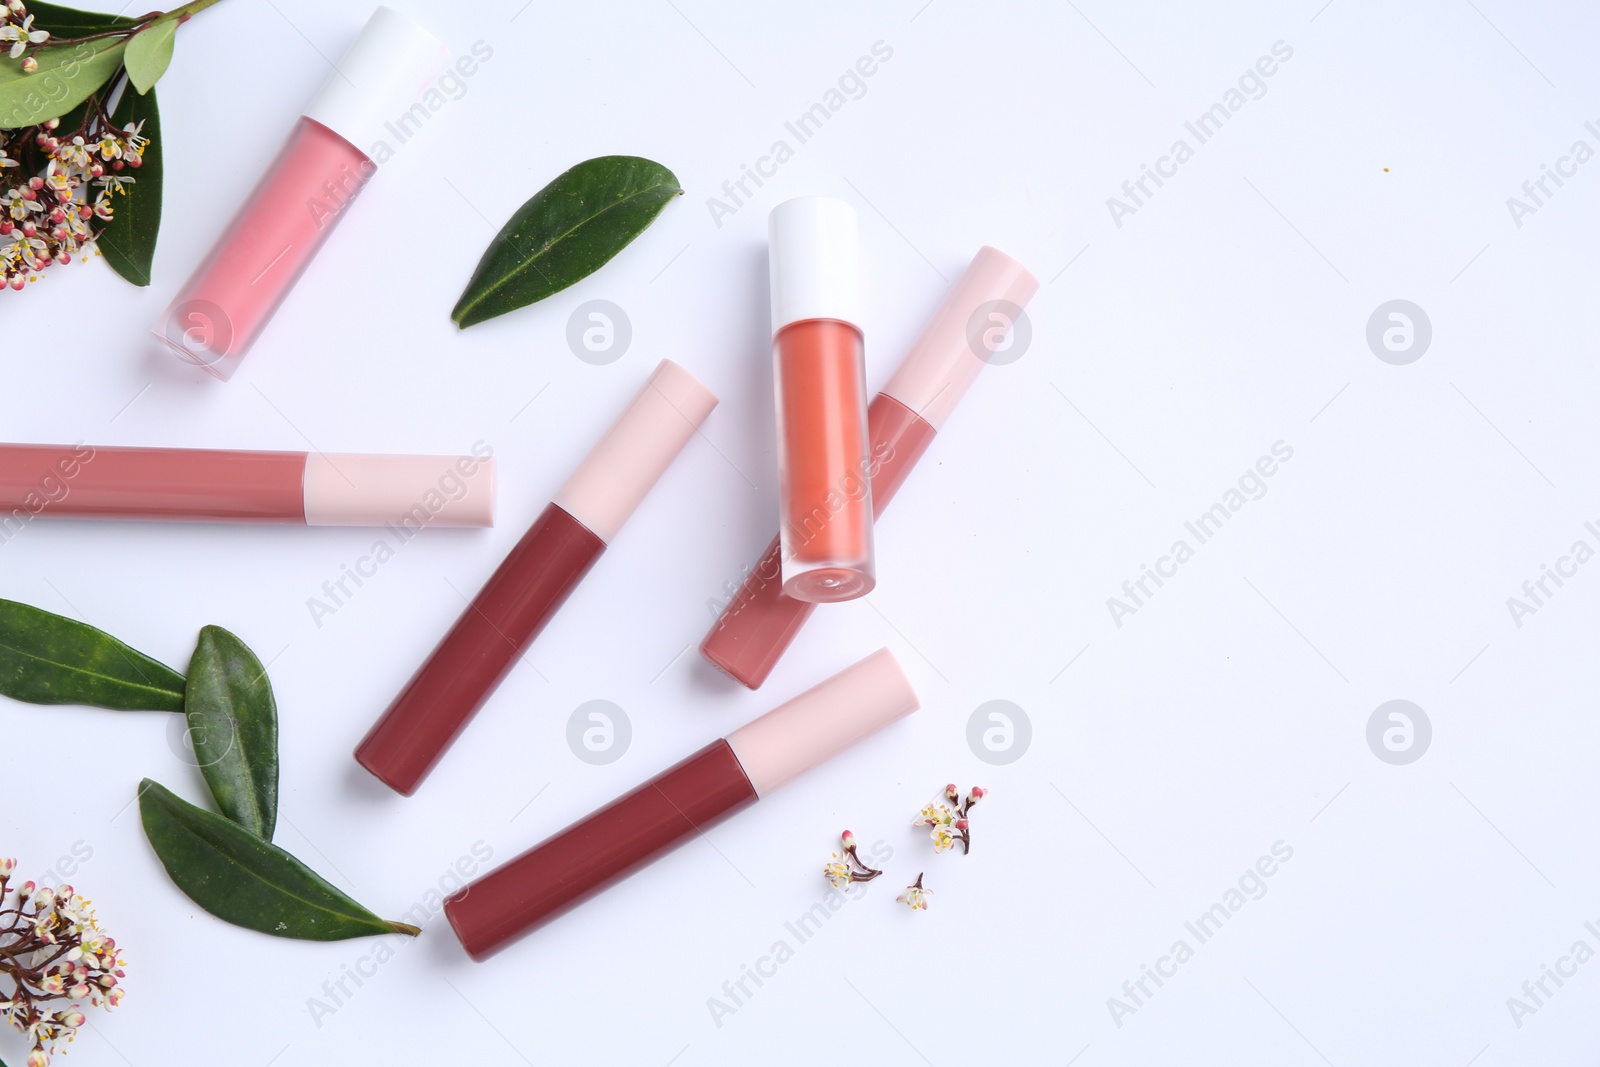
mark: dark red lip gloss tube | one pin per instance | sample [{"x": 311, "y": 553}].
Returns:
[
  {"x": 678, "y": 804},
  {"x": 535, "y": 579},
  {"x": 760, "y": 622}
]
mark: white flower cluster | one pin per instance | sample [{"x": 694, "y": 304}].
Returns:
[{"x": 52, "y": 949}]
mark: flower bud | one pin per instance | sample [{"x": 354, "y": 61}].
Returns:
[
  {"x": 961, "y": 824},
  {"x": 951, "y": 791},
  {"x": 38, "y": 1058},
  {"x": 849, "y": 839},
  {"x": 6, "y": 866},
  {"x": 44, "y": 898},
  {"x": 976, "y": 794},
  {"x": 25, "y": 890},
  {"x": 30, "y": 65},
  {"x": 53, "y": 124}
]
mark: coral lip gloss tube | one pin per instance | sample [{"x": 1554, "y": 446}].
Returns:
[
  {"x": 824, "y": 492},
  {"x": 198, "y": 485},
  {"x": 760, "y": 621},
  {"x": 633, "y": 831},
  {"x": 382, "y": 79},
  {"x": 535, "y": 579}
]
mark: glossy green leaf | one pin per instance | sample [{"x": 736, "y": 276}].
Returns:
[
  {"x": 246, "y": 881},
  {"x": 128, "y": 241},
  {"x": 570, "y": 229},
  {"x": 68, "y": 74},
  {"x": 149, "y": 52},
  {"x": 70, "y": 22},
  {"x": 233, "y": 725},
  {"x": 48, "y": 659}
]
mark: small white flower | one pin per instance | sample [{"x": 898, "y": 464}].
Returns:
[
  {"x": 22, "y": 36},
  {"x": 838, "y": 873},
  {"x": 915, "y": 897}
]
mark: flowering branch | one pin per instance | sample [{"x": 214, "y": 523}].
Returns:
[
  {"x": 950, "y": 824},
  {"x": 52, "y": 949},
  {"x": 851, "y": 868}
]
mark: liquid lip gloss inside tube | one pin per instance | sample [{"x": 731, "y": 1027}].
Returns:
[
  {"x": 535, "y": 580},
  {"x": 962, "y": 338},
  {"x": 204, "y": 485},
  {"x": 679, "y": 804},
  {"x": 219, "y": 314},
  {"x": 825, "y": 495}
]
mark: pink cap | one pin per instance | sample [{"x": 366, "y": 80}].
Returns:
[
  {"x": 414, "y": 491},
  {"x": 958, "y": 341},
  {"x": 612, "y": 480},
  {"x": 823, "y": 721}
]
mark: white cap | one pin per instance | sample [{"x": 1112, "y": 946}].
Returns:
[
  {"x": 381, "y": 82},
  {"x": 814, "y": 261}
]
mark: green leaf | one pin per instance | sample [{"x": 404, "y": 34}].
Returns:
[
  {"x": 570, "y": 229},
  {"x": 246, "y": 881},
  {"x": 233, "y": 724},
  {"x": 149, "y": 52},
  {"x": 48, "y": 659},
  {"x": 68, "y": 74},
  {"x": 128, "y": 241},
  {"x": 70, "y": 22}
]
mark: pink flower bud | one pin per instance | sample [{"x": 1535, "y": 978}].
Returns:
[
  {"x": 53, "y": 124},
  {"x": 977, "y": 792},
  {"x": 6, "y": 866},
  {"x": 29, "y": 66},
  {"x": 38, "y": 1058},
  {"x": 25, "y": 890},
  {"x": 17, "y": 282},
  {"x": 135, "y": 161},
  {"x": 31, "y": 193},
  {"x": 29, "y": 230},
  {"x": 74, "y": 1019},
  {"x": 849, "y": 839},
  {"x": 36, "y": 182},
  {"x": 57, "y": 215},
  {"x": 961, "y": 824},
  {"x": 951, "y": 791}
]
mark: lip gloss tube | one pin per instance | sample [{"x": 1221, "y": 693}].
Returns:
[
  {"x": 824, "y": 491},
  {"x": 376, "y": 93},
  {"x": 760, "y": 621},
  {"x": 199, "y": 485},
  {"x": 535, "y": 579},
  {"x": 683, "y": 801}
]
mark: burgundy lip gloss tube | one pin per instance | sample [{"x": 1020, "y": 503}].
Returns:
[
  {"x": 535, "y": 579},
  {"x": 204, "y": 485},
  {"x": 683, "y": 801},
  {"x": 967, "y": 331},
  {"x": 379, "y": 91}
]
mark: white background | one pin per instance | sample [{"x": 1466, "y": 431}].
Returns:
[{"x": 1168, "y": 354}]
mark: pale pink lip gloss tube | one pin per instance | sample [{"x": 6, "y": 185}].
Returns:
[
  {"x": 370, "y": 100},
  {"x": 199, "y": 485}
]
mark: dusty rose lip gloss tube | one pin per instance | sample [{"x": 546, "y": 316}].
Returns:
[
  {"x": 760, "y": 621},
  {"x": 535, "y": 579},
  {"x": 380, "y": 82},
  {"x": 685, "y": 800},
  {"x": 824, "y": 491},
  {"x": 200, "y": 485}
]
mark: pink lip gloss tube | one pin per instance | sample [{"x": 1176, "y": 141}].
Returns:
[
  {"x": 375, "y": 94},
  {"x": 527, "y": 590},
  {"x": 682, "y": 802},
  {"x": 199, "y": 485},
  {"x": 760, "y": 621},
  {"x": 824, "y": 489}
]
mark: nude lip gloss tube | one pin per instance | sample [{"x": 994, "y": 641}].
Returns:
[
  {"x": 535, "y": 579},
  {"x": 824, "y": 491},
  {"x": 199, "y": 485},
  {"x": 382, "y": 80},
  {"x": 681, "y": 802},
  {"x": 760, "y": 621}
]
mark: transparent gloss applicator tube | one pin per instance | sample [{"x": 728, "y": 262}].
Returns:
[
  {"x": 368, "y": 103},
  {"x": 825, "y": 486}
]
